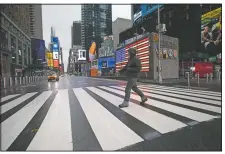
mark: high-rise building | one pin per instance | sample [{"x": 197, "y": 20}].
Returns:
[
  {"x": 18, "y": 14},
  {"x": 118, "y": 26},
  {"x": 36, "y": 27},
  {"x": 15, "y": 43},
  {"x": 76, "y": 33},
  {"x": 96, "y": 22}
]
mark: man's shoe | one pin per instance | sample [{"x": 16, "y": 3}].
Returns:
[
  {"x": 124, "y": 104},
  {"x": 143, "y": 100}
]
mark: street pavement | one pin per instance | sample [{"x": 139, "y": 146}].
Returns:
[{"x": 82, "y": 114}]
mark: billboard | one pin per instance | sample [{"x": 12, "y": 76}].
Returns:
[
  {"x": 55, "y": 44},
  {"x": 147, "y": 9},
  {"x": 107, "y": 48},
  {"x": 56, "y": 63},
  {"x": 211, "y": 32},
  {"x": 92, "y": 51},
  {"x": 81, "y": 55},
  {"x": 106, "y": 62},
  {"x": 55, "y": 55},
  {"x": 49, "y": 59},
  {"x": 38, "y": 49},
  {"x": 50, "y": 62}
]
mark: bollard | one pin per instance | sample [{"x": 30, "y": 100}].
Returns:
[
  {"x": 10, "y": 81},
  {"x": 188, "y": 77},
  {"x": 20, "y": 80},
  {"x": 198, "y": 78},
  {"x": 29, "y": 79},
  {"x": 4, "y": 82},
  {"x": 26, "y": 79},
  {"x": 207, "y": 77},
  {"x": 211, "y": 76},
  {"x": 16, "y": 82}
]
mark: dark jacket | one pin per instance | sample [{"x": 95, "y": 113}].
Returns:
[{"x": 132, "y": 68}]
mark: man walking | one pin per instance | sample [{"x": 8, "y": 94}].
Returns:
[{"x": 132, "y": 71}]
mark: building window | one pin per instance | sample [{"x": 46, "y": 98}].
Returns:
[{"x": 4, "y": 39}]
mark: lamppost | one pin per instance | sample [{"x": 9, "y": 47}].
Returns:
[
  {"x": 159, "y": 33},
  {"x": 159, "y": 48}
]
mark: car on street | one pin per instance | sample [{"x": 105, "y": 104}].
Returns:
[{"x": 53, "y": 76}]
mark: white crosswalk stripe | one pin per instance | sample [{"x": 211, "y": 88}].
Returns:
[{"x": 46, "y": 122}]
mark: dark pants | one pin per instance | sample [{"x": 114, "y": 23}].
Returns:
[{"x": 131, "y": 84}]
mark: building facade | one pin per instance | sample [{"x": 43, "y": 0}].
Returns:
[
  {"x": 36, "y": 27},
  {"x": 76, "y": 33},
  {"x": 96, "y": 22},
  {"x": 15, "y": 47},
  {"x": 118, "y": 26},
  {"x": 19, "y": 15},
  {"x": 183, "y": 21}
]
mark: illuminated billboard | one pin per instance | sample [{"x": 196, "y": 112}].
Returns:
[
  {"x": 55, "y": 44},
  {"x": 56, "y": 63},
  {"x": 211, "y": 34},
  {"x": 50, "y": 62},
  {"x": 81, "y": 55},
  {"x": 38, "y": 50},
  {"x": 107, "y": 48},
  {"x": 55, "y": 55},
  {"x": 92, "y": 51}
]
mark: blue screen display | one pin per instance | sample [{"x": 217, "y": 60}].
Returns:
[
  {"x": 149, "y": 8},
  {"x": 110, "y": 62}
]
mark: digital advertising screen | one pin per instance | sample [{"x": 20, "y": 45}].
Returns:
[
  {"x": 147, "y": 9},
  {"x": 50, "y": 62},
  {"x": 211, "y": 32},
  {"x": 107, "y": 48},
  {"x": 38, "y": 49},
  {"x": 55, "y": 55},
  {"x": 56, "y": 63},
  {"x": 55, "y": 47},
  {"x": 106, "y": 62},
  {"x": 92, "y": 51}
]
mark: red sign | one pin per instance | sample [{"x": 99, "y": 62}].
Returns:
[{"x": 56, "y": 63}]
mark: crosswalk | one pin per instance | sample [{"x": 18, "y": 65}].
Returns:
[{"x": 89, "y": 118}]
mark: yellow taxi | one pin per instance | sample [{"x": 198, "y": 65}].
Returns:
[{"x": 53, "y": 76}]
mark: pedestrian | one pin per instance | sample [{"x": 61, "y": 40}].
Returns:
[{"x": 132, "y": 71}]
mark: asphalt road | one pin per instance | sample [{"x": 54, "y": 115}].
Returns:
[{"x": 82, "y": 114}]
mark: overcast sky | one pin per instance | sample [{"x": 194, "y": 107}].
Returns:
[{"x": 61, "y": 18}]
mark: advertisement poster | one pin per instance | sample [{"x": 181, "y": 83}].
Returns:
[
  {"x": 38, "y": 49},
  {"x": 92, "y": 51},
  {"x": 55, "y": 55},
  {"x": 50, "y": 62},
  {"x": 56, "y": 63},
  {"x": 211, "y": 26},
  {"x": 55, "y": 44},
  {"x": 107, "y": 48}
]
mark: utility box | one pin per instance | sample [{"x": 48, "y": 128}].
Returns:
[{"x": 168, "y": 55}]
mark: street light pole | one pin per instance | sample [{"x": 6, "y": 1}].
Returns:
[{"x": 159, "y": 33}]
